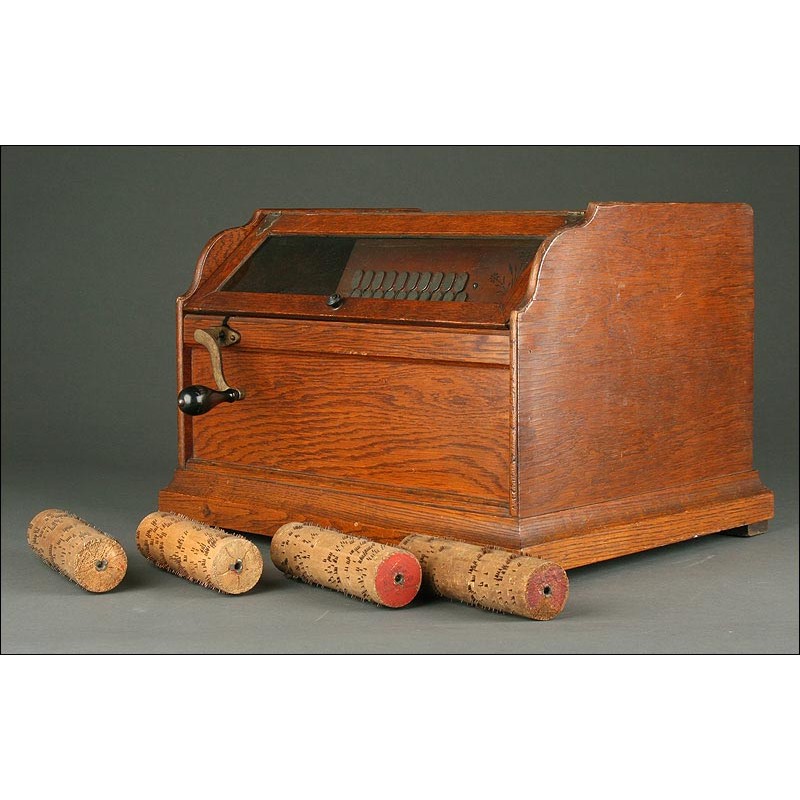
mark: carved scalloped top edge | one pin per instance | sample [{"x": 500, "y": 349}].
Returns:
[
  {"x": 213, "y": 244},
  {"x": 216, "y": 243},
  {"x": 593, "y": 210},
  {"x": 574, "y": 222},
  {"x": 528, "y": 296},
  {"x": 258, "y": 217}
]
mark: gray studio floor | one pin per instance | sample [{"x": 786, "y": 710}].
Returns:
[{"x": 717, "y": 594}]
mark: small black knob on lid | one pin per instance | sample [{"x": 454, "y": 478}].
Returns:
[{"x": 335, "y": 300}]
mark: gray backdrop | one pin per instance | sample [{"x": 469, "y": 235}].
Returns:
[{"x": 98, "y": 242}]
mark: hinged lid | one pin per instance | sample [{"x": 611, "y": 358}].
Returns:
[{"x": 468, "y": 269}]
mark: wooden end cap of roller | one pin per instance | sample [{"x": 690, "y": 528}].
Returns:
[
  {"x": 352, "y": 565},
  {"x": 95, "y": 561},
  {"x": 199, "y": 553},
  {"x": 490, "y": 578}
]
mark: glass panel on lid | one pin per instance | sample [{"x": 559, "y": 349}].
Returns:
[
  {"x": 476, "y": 270},
  {"x": 294, "y": 265}
]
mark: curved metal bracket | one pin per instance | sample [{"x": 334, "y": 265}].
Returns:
[{"x": 213, "y": 339}]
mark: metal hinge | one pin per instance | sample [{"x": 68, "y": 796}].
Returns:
[
  {"x": 574, "y": 217},
  {"x": 268, "y": 222}
]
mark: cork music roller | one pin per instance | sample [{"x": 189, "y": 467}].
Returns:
[
  {"x": 202, "y": 554},
  {"x": 91, "y": 558},
  {"x": 489, "y": 578},
  {"x": 348, "y": 564}
]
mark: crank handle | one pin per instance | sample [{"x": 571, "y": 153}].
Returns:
[{"x": 194, "y": 400}]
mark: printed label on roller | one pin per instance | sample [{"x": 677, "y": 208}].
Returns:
[
  {"x": 202, "y": 554},
  {"x": 349, "y": 564},
  {"x": 95, "y": 561}
]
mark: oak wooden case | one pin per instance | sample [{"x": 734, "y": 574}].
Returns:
[{"x": 589, "y": 393}]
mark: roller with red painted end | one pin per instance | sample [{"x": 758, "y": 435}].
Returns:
[
  {"x": 349, "y": 564},
  {"x": 489, "y": 578}
]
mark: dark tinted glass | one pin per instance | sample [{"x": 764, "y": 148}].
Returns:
[
  {"x": 294, "y": 265},
  {"x": 473, "y": 270}
]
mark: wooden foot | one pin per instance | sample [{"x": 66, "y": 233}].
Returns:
[{"x": 753, "y": 529}]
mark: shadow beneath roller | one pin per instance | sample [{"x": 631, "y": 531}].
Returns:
[
  {"x": 132, "y": 582},
  {"x": 260, "y": 588}
]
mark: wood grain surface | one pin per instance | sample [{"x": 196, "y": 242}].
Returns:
[
  {"x": 455, "y": 223},
  {"x": 676, "y": 501},
  {"x": 635, "y": 356},
  {"x": 217, "y": 251},
  {"x": 614, "y": 540},
  {"x": 261, "y": 504},
  {"x": 604, "y": 407},
  {"x": 354, "y": 309},
  {"x": 431, "y": 425},
  {"x": 352, "y": 339}
]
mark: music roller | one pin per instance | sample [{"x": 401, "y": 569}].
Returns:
[
  {"x": 349, "y": 564},
  {"x": 202, "y": 554},
  {"x": 91, "y": 558},
  {"x": 489, "y": 578}
]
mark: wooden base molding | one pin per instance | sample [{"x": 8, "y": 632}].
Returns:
[{"x": 571, "y": 538}]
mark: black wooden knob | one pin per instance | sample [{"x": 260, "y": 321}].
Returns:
[
  {"x": 335, "y": 300},
  {"x": 194, "y": 400}
]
